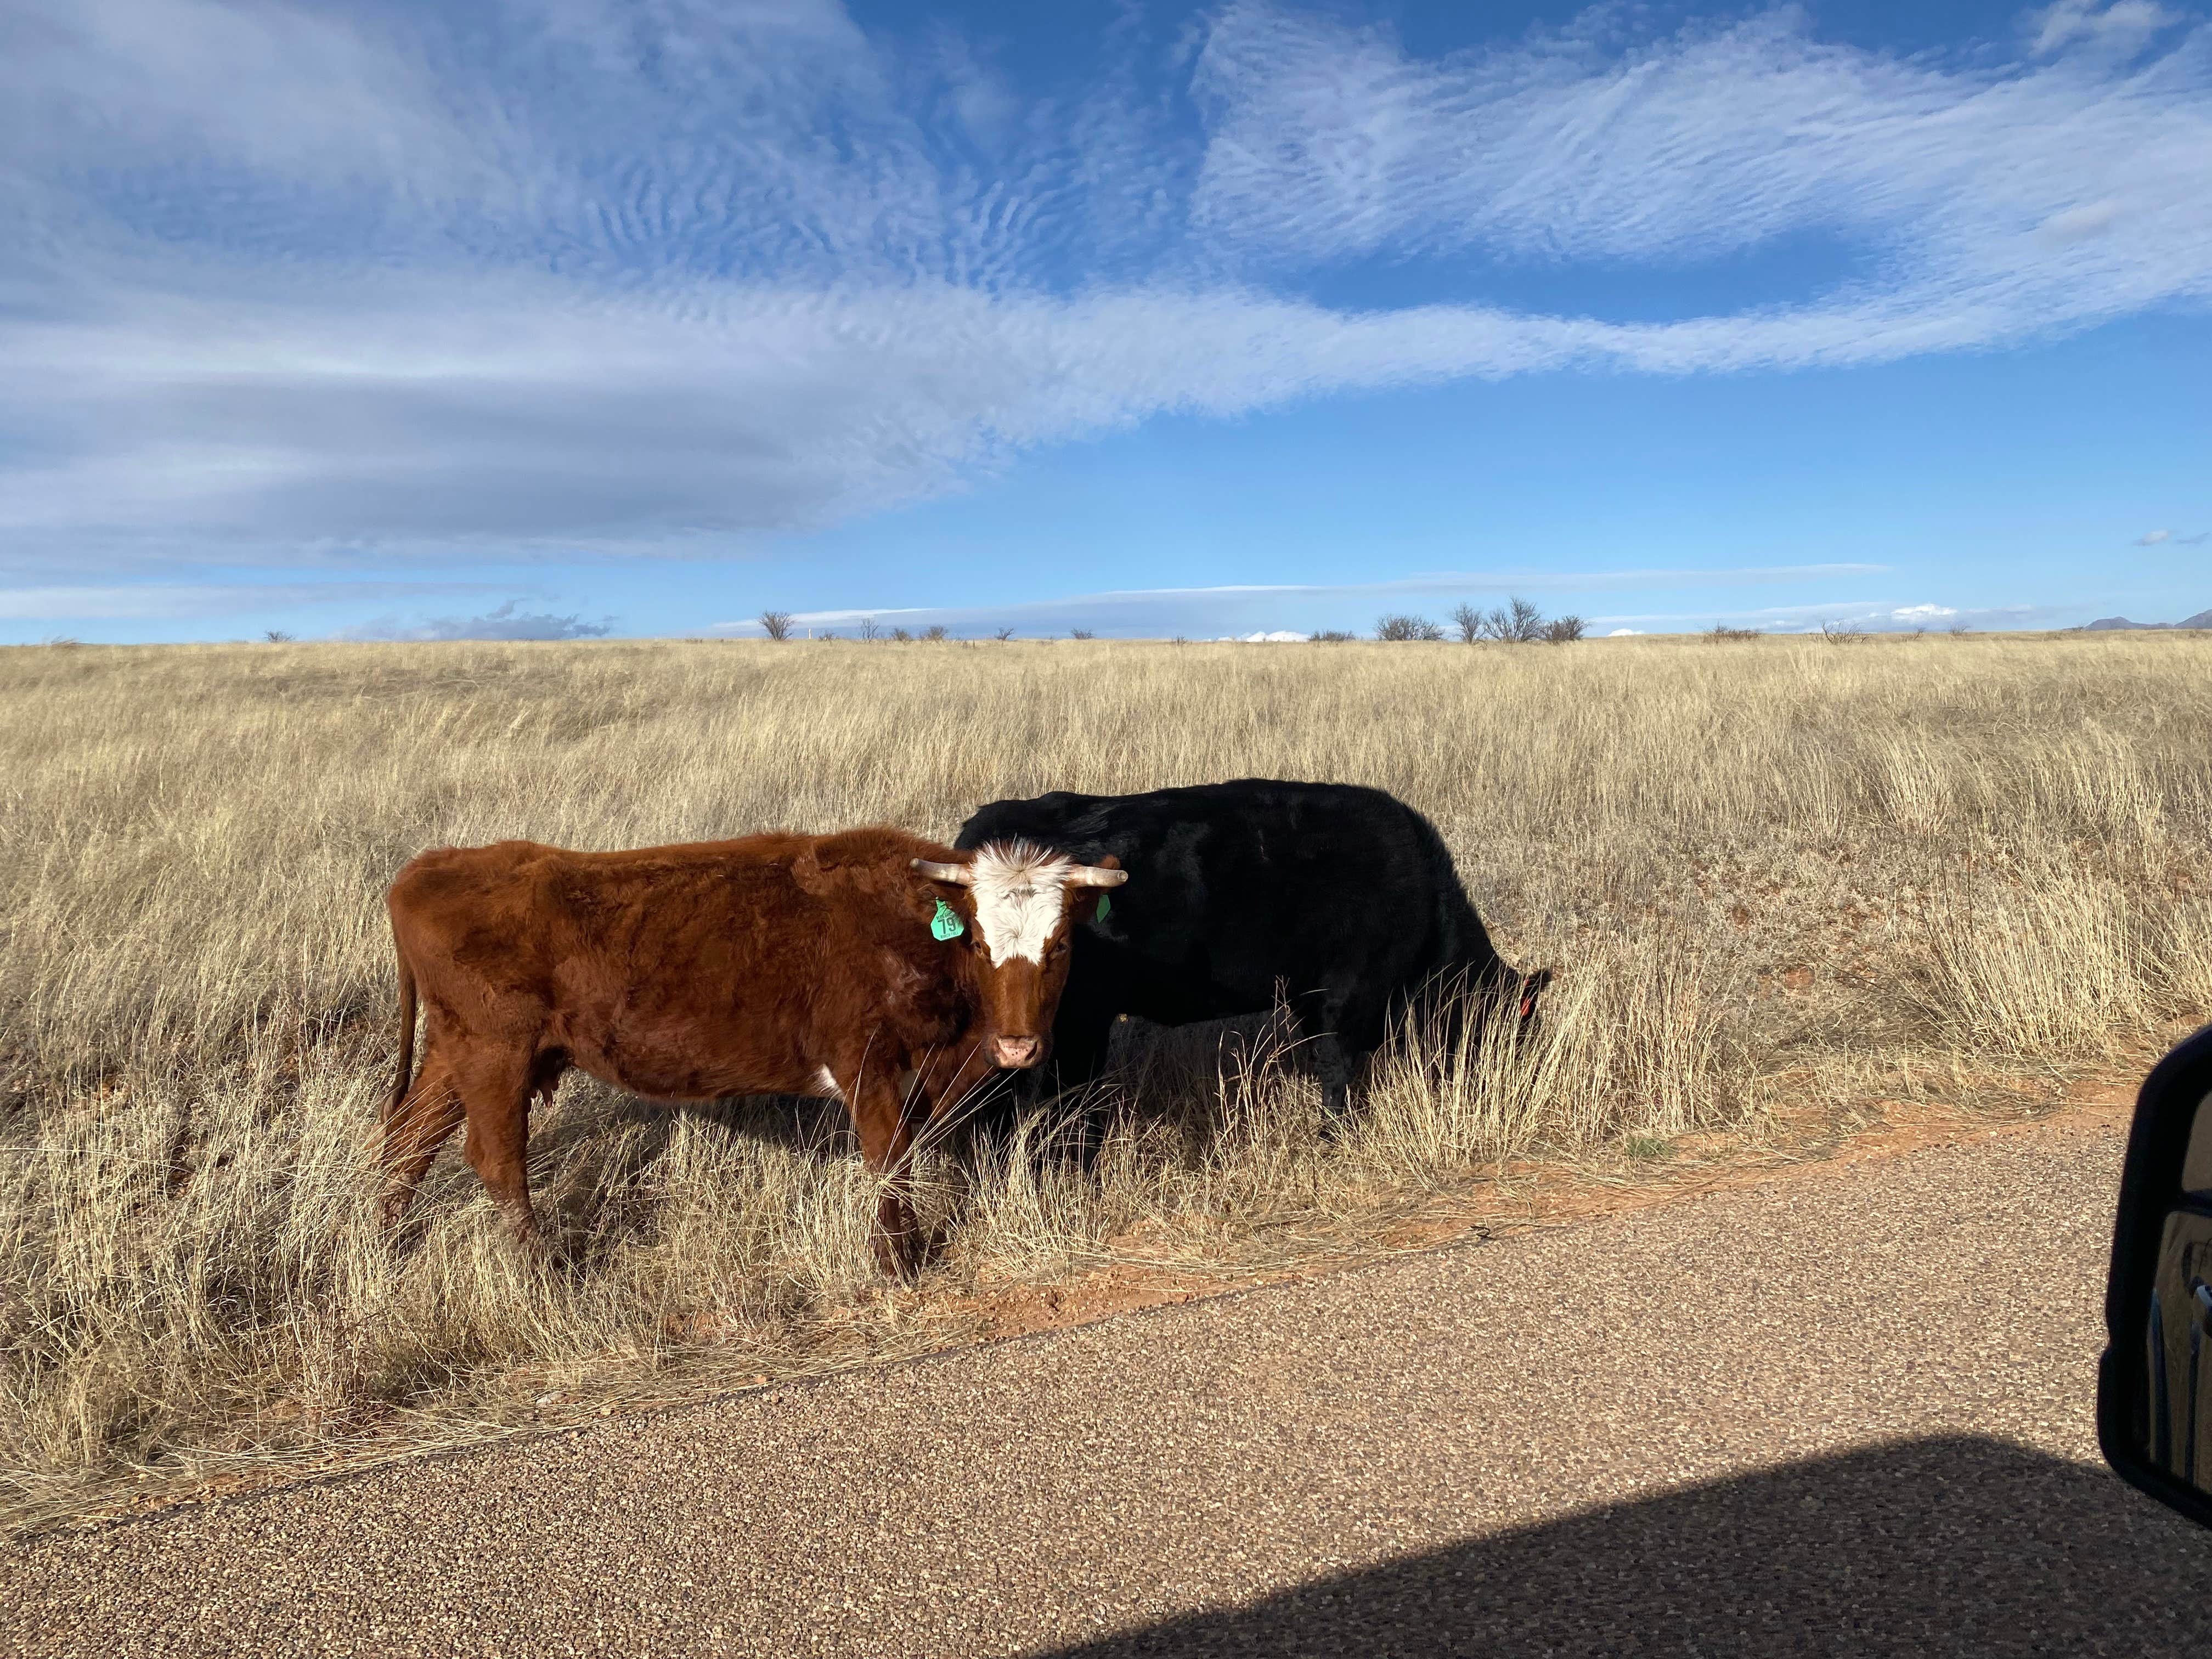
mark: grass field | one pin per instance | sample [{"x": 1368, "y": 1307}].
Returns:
[{"x": 1771, "y": 873}]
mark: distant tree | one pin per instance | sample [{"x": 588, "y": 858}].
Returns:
[
  {"x": 1004, "y": 634},
  {"x": 869, "y": 630},
  {"x": 278, "y": 636},
  {"x": 1406, "y": 628},
  {"x": 1721, "y": 633},
  {"x": 1518, "y": 623},
  {"x": 1469, "y": 620},
  {"x": 933, "y": 633},
  {"x": 900, "y": 636},
  {"x": 1333, "y": 636},
  {"x": 1081, "y": 634},
  {"x": 1841, "y": 633},
  {"x": 1563, "y": 630},
  {"x": 776, "y": 624},
  {"x": 1960, "y": 630}
]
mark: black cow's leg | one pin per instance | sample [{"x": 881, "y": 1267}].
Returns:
[
  {"x": 1081, "y": 1038},
  {"x": 1320, "y": 1020}
]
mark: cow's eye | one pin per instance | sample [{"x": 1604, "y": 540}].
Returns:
[{"x": 1059, "y": 946}]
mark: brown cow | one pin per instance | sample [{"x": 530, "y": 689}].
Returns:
[{"x": 872, "y": 966}]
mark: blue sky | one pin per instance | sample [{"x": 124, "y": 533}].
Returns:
[{"x": 552, "y": 317}]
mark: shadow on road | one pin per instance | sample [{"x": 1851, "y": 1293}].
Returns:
[{"x": 1944, "y": 1546}]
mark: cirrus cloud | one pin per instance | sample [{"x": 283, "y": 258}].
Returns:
[{"x": 301, "y": 285}]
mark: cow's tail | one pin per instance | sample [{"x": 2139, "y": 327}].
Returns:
[{"x": 406, "y": 1076}]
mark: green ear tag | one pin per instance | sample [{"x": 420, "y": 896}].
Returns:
[
  {"x": 946, "y": 924},
  {"x": 1105, "y": 909}
]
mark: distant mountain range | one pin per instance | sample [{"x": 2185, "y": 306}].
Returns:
[{"x": 2201, "y": 619}]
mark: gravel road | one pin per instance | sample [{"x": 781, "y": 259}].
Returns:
[{"x": 1848, "y": 1413}]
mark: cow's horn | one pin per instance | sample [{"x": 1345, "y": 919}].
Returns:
[
  {"x": 963, "y": 873},
  {"x": 1091, "y": 875}
]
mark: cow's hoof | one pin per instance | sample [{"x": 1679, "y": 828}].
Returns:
[{"x": 899, "y": 1256}]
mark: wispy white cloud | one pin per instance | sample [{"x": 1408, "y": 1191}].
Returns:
[
  {"x": 1885, "y": 615},
  {"x": 293, "y": 283},
  {"x": 2123, "y": 26},
  {"x": 2153, "y": 537},
  {"x": 507, "y": 621},
  {"x": 1162, "y": 607},
  {"x": 138, "y": 601}
]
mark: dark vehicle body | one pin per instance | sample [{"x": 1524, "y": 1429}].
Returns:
[
  {"x": 1339, "y": 900},
  {"x": 2154, "y": 1381}
]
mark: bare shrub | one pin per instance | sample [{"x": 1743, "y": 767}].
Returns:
[
  {"x": 1841, "y": 633},
  {"x": 1517, "y": 621},
  {"x": 1003, "y": 635},
  {"x": 869, "y": 629},
  {"x": 776, "y": 624},
  {"x": 1400, "y": 628},
  {"x": 1721, "y": 633},
  {"x": 900, "y": 636},
  {"x": 1332, "y": 636},
  {"x": 1081, "y": 634},
  {"x": 935, "y": 632},
  {"x": 1563, "y": 631},
  {"x": 278, "y": 636}
]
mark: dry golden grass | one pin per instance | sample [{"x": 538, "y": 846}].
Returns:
[{"x": 1770, "y": 872}]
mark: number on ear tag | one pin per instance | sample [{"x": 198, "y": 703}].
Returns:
[
  {"x": 1105, "y": 909},
  {"x": 946, "y": 924}
]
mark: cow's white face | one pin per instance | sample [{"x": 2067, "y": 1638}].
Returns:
[
  {"x": 1021, "y": 904},
  {"x": 1020, "y": 895}
]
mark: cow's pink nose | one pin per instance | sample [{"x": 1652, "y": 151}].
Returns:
[{"x": 1015, "y": 1051}]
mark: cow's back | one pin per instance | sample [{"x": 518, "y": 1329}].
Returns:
[
  {"x": 658, "y": 966},
  {"x": 527, "y": 902},
  {"x": 1239, "y": 886}
]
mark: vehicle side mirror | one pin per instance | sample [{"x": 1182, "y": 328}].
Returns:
[{"x": 2154, "y": 1383}]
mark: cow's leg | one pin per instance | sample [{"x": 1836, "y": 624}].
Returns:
[
  {"x": 955, "y": 1079},
  {"x": 494, "y": 1087},
  {"x": 1320, "y": 1017},
  {"x": 879, "y": 1118},
  {"x": 413, "y": 1132},
  {"x": 1081, "y": 1036}
]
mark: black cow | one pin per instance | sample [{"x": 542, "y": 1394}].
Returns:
[{"x": 1343, "y": 897}]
